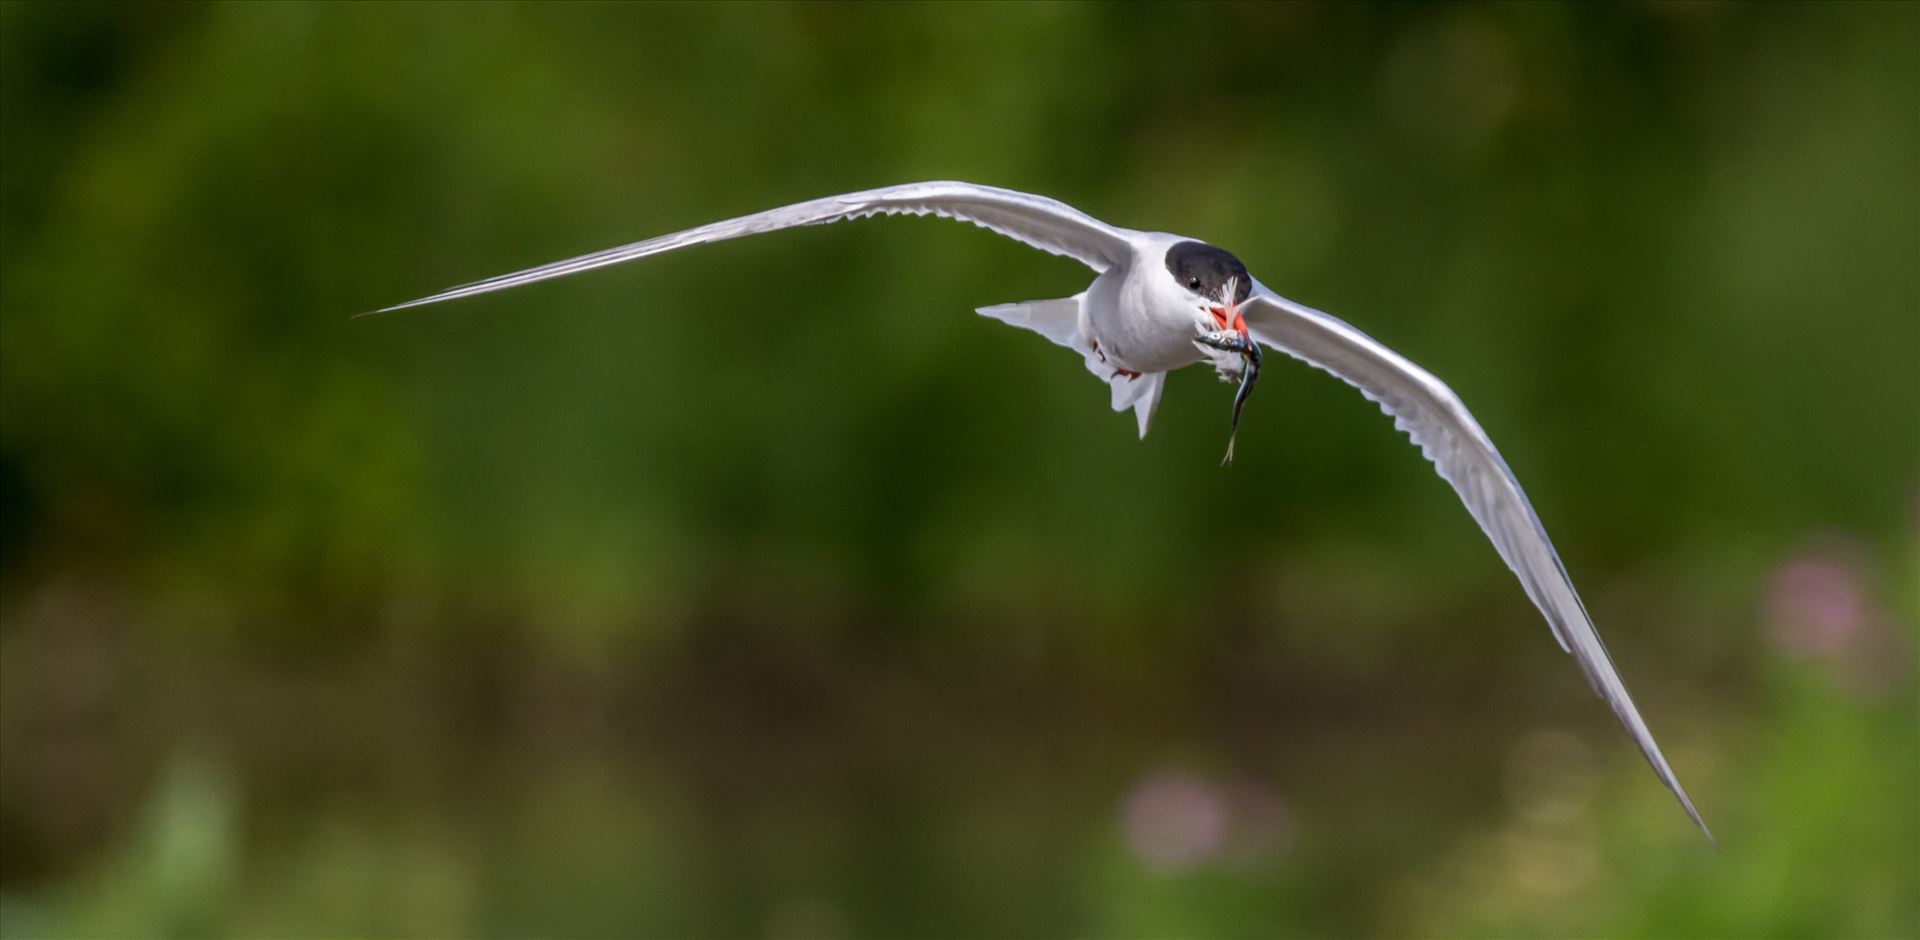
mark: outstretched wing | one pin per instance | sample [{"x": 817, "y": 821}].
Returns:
[
  {"x": 1447, "y": 434},
  {"x": 1046, "y": 224}
]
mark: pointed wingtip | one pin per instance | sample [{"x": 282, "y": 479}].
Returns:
[
  {"x": 411, "y": 303},
  {"x": 1712, "y": 842},
  {"x": 1694, "y": 814},
  {"x": 1672, "y": 782}
]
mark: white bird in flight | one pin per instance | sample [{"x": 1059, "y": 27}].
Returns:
[{"x": 1160, "y": 302}]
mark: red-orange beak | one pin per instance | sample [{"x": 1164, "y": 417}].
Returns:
[{"x": 1228, "y": 318}]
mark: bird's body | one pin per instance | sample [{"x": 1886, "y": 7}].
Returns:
[
  {"x": 1160, "y": 302},
  {"x": 1143, "y": 320}
]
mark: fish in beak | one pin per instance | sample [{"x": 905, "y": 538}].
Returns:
[{"x": 1233, "y": 337}]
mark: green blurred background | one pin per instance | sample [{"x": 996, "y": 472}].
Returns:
[{"x": 765, "y": 590}]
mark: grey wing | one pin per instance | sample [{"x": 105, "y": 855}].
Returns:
[
  {"x": 1428, "y": 411},
  {"x": 1046, "y": 224}
]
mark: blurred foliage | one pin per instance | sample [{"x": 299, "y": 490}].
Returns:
[{"x": 765, "y": 590}]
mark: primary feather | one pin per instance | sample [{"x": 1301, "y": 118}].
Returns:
[{"x": 1429, "y": 412}]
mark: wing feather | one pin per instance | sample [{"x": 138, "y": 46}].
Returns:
[
  {"x": 1046, "y": 224},
  {"x": 1447, "y": 434}
]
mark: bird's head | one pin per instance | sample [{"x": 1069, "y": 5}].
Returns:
[{"x": 1216, "y": 279}]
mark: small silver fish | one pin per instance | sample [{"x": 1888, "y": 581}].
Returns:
[{"x": 1234, "y": 341}]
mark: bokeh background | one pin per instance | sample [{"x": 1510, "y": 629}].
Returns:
[{"x": 765, "y": 590}]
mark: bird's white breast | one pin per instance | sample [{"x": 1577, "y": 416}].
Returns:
[{"x": 1142, "y": 319}]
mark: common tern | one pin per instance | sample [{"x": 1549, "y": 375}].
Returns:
[{"x": 1159, "y": 302}]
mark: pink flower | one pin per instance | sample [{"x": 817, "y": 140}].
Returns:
[
  {"x": 1819, "y": 606},
  {"x": 1815, "y": 605},
  {"x": 1175, "y": 821}
]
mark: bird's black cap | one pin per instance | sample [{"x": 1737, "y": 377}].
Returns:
[{"x": 1204, "y": 269}]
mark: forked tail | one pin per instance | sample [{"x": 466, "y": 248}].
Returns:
[{"x": 1060, "y": 321}]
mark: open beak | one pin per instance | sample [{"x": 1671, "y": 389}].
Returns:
[{"x": 1228, "y": 318}]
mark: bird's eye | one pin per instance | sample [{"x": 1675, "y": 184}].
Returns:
[{"x": 1194, "y": 283}]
